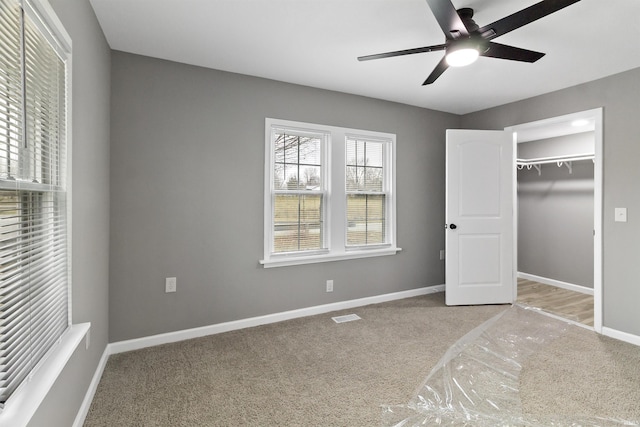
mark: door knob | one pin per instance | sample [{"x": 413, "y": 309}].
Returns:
[{"x": 453, "y": 226}]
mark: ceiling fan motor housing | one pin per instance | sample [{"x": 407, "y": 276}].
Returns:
[
  {"x": 473, "y": 41},
  {"x": 466, "y": 14}
]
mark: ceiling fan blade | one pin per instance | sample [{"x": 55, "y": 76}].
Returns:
[
  {"x": 440, "y": 68},
  {"x": 523, "y": 17},
  {"x": 403, "y": 52},
  {"x": 502, "y": 51},
  {"x": 448, "y": 18}
]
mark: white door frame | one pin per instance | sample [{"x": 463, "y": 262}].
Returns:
[{"x": 596, "y": 116}]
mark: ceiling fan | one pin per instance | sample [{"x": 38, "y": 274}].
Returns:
[{"x": 465, "y": 40}]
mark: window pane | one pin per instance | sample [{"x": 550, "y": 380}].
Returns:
[
  {"x": 356, "y": 219},
  {"x": 372, "y": 179},
  {"x": 375, "y": 232},
  {"x": 279, "y": 182},
  {"x": 352, "y": 178},
  {"x": 310, "y": 151},
  {"x": 291, "y": 148},
  {"x": 364, "y": 170},
  {"x": 278, "y": 147},
  {"x": 373, "y": 154},
  {"x": 291, "y": 177},
  {"x": 297, "y": 162},
  {"x": 365, "y": 219},
  {"x": 310, "y": 178},
  {"x": 356, "y": 207},
  {"x": 298, "y": 222},
  {"x": 355, "y": 152},
  {"x": 375, "y": 207},
  {"x": 375, "y": 219}
]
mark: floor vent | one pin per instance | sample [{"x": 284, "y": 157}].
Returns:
[{"x": 346, "y": 318}]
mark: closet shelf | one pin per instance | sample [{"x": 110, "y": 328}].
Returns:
[{"x": 559, "y": 160}]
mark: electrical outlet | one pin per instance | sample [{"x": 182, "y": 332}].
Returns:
[
  {"x": 170, "y": 284},
  {"x": 442, "y": 252},
  {"x": 329, "y": 285}
]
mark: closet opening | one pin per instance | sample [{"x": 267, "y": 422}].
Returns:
[{"x": 559, "y": 222}]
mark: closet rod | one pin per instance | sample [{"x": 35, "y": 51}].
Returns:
[
  {"x": 555, "y": 159},
  {"x": 559, "y": 160}
]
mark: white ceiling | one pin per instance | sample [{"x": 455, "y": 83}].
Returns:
[{"x": 316, "y": 42}]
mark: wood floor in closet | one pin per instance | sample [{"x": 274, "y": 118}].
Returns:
[{"x": 571, "y": 305}]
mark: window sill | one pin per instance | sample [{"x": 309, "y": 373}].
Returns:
[
  {"x": 24, "y": 402},
  {"x": 313, "y": 259}
]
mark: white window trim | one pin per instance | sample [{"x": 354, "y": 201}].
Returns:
[
  {"x": 335, "y": 192},
  {"x": 325, "y": 178},
  {"x": 25, "y": 401}
]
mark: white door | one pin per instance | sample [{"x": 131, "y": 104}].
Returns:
[{"x": 480, "y": 197}]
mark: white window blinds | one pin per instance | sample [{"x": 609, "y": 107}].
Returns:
[
  {"x": 34, "y": 279},
  {"x": 298, "y": 191},
  {"x": 365, "y": 191}
]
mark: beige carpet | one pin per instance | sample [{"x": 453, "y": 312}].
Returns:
[
  {"x": 314, "y": 372},
  {"x": 583, "y": 373}
]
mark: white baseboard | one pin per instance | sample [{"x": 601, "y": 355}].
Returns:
[
  {"x": 138, "y": 343},
  {"x": 556, "y": 283},
  {"x": 91, "y": 391},
  {"x": 622, "y": 336}
]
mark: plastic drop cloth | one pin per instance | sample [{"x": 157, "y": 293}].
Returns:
[{"x": 476, "y": 383}]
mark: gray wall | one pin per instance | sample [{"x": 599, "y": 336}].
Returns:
[
  {"x": 90, "y": 181},
  {"x": 619, "y": 95},
  {"x": 555, "y": 212},
  {"x": 187, "y": 197}
]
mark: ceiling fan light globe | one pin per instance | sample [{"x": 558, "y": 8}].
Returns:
[{"x": 462, "y": 57}]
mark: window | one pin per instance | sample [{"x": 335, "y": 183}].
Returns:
[
  {"x": 366, "y": 195},
  {"x": 34, "y": 261},
  {"x": 298, "y": 191},
  {"x": 329, "y": 193}
]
